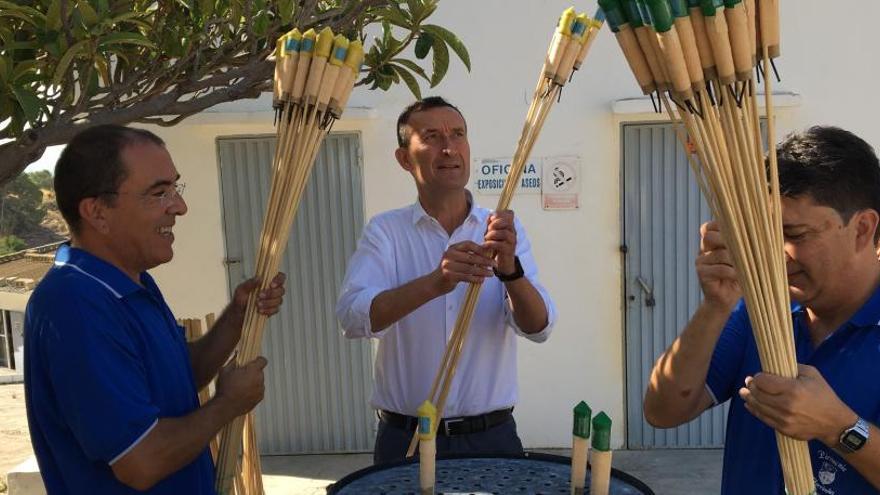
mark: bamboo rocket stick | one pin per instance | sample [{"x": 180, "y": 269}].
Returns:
[
  {"x": 580, "y": 447},
  {"x": 600, "y": 457}
]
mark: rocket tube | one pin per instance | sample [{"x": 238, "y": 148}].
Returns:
[
  {"x": 629, "y": 45},
  {"x": 578, "y": 36},
  {"x": 670, "y": 48},
  {"x": 331, "y": 73},
  {"x": 751, "y": 14},
  {"x": 740, "y": 45},
  {"x": 278, "y": 81},
  {"x": 292, "y": 44},
  {"x": 768, "y": 13},
  {"x": 593, "y": 27},
  {"x": 717, "y": 32},
  {"x": 355, "y": 60},
  {"x": 559, "y": 43},
  {"x": 704, "y": 48},
  {"x": 306, "y": 51},
  {"x": 635, "y": 17},
  {"x": 580, "y": 447},
  {"x": 347, "y": 75},
  {"x": 600, "y": 459},
  {"x": 323, "y": 46},
  {"x": 688, "y": 40},
  {"x": 427, "y": 447}
]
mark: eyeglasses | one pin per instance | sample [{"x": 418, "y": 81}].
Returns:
[{"x": 162, "y": 197}]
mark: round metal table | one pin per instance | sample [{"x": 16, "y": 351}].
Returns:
[{"x": 530, "y": 473}]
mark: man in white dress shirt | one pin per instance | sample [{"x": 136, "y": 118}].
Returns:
[{"x": 404, "y": 287}]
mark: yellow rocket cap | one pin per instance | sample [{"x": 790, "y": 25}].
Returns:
[
  {"x": 308, "y": 42},
  {"x": 324, "y": 43},
  {"x": 565, "y": 22},
  {"x": 355, "y": 55},
  {"x": 340, "y": 49},
  {"x": 293, "y": 41},
  {"x": 279, "y": 47},
  {"x": 584, "y": 20},
  {"x": 427, "y": 420}
]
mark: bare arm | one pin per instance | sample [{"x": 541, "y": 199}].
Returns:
[
  {"x": 677, "y": 391},
  {"x": 462, "y": 262},
  {"x": 175, "y": 442},
  {"x": 208, "y": 353},
  {"x": 529, "y": 309}
]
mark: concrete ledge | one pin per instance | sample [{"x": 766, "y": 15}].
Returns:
[
  {"x": 25, "y": 479},
  {"x": 15, "y": 377}
]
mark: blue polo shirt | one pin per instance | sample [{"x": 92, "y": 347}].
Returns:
[
  {"x": 104, "y": 361},
  {"x": 849, "y": 360}
]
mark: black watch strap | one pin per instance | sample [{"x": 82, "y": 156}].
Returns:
[{"x": 510, "y": 277}]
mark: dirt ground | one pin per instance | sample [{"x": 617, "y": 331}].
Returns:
[{"x": 15, "y": 440}]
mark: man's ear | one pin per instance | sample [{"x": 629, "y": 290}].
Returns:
[
  {"x": 93, "y": 212},
  {"x": 402, "y": 155},
  {"x": 867, "y": 223}
]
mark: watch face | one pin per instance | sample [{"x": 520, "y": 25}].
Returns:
[{"x": 853, "y": 440}]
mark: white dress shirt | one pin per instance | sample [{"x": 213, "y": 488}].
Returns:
[{"x": 399, "y": 246}]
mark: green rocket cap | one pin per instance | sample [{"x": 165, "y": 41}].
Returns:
[
  {"x": 732, "y": 3},
  {"x": 709, "y": 7},
  {"x": 633, "y": 14},
  {"x": 662, "y": 15},
  {"x": 602, "y": 432},
  {"x": 582, "y": 413},
  {"x": 679, "y": 8},
  {"x": 613, "y": 13}
]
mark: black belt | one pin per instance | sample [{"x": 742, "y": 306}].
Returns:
[{"x": 450, "y": 426}]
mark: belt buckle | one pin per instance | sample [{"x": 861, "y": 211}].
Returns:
[{"x": 447, "y": 422}]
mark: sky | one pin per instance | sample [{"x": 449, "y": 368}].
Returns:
[{"x": 47, "y": 161}]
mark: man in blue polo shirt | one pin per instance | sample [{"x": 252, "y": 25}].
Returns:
[
  {"x": 830, "y": 183},
  {"x": 110, "y": 381}
]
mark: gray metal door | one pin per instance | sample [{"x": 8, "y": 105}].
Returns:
[
  {"x": 5, "y": 343},
  {"x": 663, "y": 210},
  {"x": 318, "y": 383}
]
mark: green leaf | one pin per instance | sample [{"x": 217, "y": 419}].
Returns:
[
  {"x": 29, "y": 103},
  {"x": 89, "y": 16},
  {"x": 285, "y": 10},
  {"x": 207, "y": 8},
  {"x": 409, "y": 64},
  {"x": 410, "y": 81},
  {"x": 452, "y": 40},
  {"x": 441, "y": 62},
  {"x": 423, "y": 45},
  {"x": 3, "y": 75},
  {"x": 20, "y": 15},
  {"x": 396, "y": 16},
  {"x": 22, "y": 68},
  {"x": 415, "y": 10},
  {"x": 125, "y": 39},
  {"x": 61, "y": 69},
  {"x": 24, "y": 9},
  {"x": 53, "y": 16}
]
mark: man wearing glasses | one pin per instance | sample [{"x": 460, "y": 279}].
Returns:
[{"x": 111, "y": 384}]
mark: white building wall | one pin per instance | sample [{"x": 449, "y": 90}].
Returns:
[{"x": 828, "y": 58}]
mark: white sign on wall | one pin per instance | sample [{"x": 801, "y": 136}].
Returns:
[
  {"x": 490, "y": 175},
  {"x": 562, "y": 186}
]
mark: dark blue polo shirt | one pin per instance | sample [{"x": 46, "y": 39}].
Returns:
[
  {"x": 104, "y": 361},
  {"x": 849, "y": 360}
]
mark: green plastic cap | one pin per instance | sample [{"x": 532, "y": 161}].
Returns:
[
  {"x": 693, "y": 3},
  {"x": 582, "y": 413},
  {"x": 632, "y": 12},
  {"x": 661, "y": 13},
  {"x": 710, "y": 7},
  {"x": 679, "y": 8},
  {"x": 613, "y": 13},
  {"x": 732, "y": 3},
  {"x": 602, "y": 432}
]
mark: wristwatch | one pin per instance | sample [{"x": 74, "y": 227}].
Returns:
[
  {"x": 510, "y": 277},
  {"x": 854, "y": 437}
]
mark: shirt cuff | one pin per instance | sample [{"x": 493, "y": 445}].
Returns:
[
  {"x": 538, "y": 337},
  {"x": 135, "y": 443},
  {"x": 357, "y": 322}
]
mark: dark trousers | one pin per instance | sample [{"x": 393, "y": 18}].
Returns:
[{"x": 392, "y": 442}]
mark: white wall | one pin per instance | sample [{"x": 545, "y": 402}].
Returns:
[{"x": 828, "y": 58}]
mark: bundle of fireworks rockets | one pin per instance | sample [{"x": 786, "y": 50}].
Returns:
[{"x": 702, "y": 52}]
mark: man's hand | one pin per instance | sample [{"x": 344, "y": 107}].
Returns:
[
  {"x": 804, "y": 408},
  {"x": 268, "y": 300},
  {"x": 465, "y": 261},
  {"x": 241, "y": 388},
  {"x": 501, "y": 239},
  {"x": 715, "y": 268}
]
